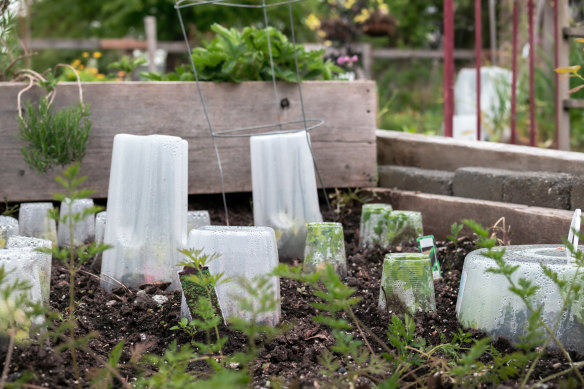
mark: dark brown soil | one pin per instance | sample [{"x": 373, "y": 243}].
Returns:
[{"x": 144, "y": 325}]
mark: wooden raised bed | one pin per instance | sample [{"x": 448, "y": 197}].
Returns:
[{"x": 344, "y": 147}]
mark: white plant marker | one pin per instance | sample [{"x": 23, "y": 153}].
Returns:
[
  {"x": 146, "y": 210},
  {"x": 573, "y": 233},
  {"x": 284, "y": 188}
]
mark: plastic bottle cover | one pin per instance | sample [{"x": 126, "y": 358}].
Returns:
[
  {"x": 284, "y": 188},
  {"x": 146, "y": 210}
]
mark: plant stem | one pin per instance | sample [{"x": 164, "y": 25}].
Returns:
[
  {"x": 556, "y": 375},
  {"x": 72, "y": 323},
  {"x": 361, "y": 331},
  {"x": 8, "y": 358}
]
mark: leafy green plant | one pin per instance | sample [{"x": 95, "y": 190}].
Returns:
[
  {"x": 11, "y": 51},
  {"x": 53, "y": 137},
  {"x": 455, "y": 229},
  {"x": 199, "y": 290},
  {"x": 126, "y": 65},
  {"x": 70, "y": 256},
  {"x": 237, "y": 56}
]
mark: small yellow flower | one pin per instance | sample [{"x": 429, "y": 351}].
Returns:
[
  {"x": 92, "y": 70},
  {"x": 85, "y": 54},
  {"x": 321, "y": 33},
  {"x": 579, "y": 40},
  {"x": 100, "y": 76},
  {"x": 312, "y": 22},
  {"x": 570, "y": 69},
  {"x": 362, "y": 17},
  {"x": 96, "y": 54},
  {"x": 384, "y": 9},
  {"x": 76, "y": 63},
  {"x": 118, "y": 79},
  {"x": 328, "y": 43},
  {"x": 81, "y": 66},
  {"x": 121, "y": 73}
]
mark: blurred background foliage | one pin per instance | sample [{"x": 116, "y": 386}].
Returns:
[{"x": 410, "y": 91}]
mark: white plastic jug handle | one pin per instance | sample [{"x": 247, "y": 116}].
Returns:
[{"x": 574, "y": 227}]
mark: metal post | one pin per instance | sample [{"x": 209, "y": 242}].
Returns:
[
  {"x": 448, "y": 66},
  {"x": 478, "y": 54},
  {"x": 562, "y": 83},
  {"x": 493, "y": 32},
  {"x": 150, "y": 27},
  {"x": 514, "y": 70},
  {"x": 531, "y": 74}
]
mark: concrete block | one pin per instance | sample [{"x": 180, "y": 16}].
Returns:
[
  {"x": 577, "y": 194},
  {"x": 541, "y": 189},
  {"x": 480, "y": 183},
  {"x": 416, "y": 179}
]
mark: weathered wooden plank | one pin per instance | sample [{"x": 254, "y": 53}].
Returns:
[
  {"x": 529, "y": 225},
  {"x": 344, "y": 146},
  {"x": 440, "y": 153}
]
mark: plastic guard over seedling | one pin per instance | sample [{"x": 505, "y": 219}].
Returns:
[
  {"x": 84, "y": 229},
  {"x": 196, "y": 219},
  {"x": 486, "y": 303},
  {"x": 33, "y": 221},
  {"x": 146, "y": 211},
  {"x": 373, "y": 224},
  {"x": 244, "y": 253},
  {"x": 325, "y": 243},
  {"x": 284, "y": 188},
  {"x": 408, "y": 276},
  {"x": 8, "y": 227}
]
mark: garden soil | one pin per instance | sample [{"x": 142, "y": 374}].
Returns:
[{"x": 135, "y": 317}]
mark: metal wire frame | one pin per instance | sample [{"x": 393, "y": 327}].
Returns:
[{"x": 180, "y": 4}]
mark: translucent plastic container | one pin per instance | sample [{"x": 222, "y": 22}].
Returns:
[
  {"x": 403, "y": 226},
  {"x": 8, "y": 228},
  {"x": 284, "y": 188},
  {"x": 44, "y": 260},
  {"x": 373, "y": 224},
  {"x": 146, "y": 210},
  {"x": 100, "y": 220},
  {"x": 245, "y": 252},
  {"x": 84, "y": 230},
  {"x": 408, "y": 277},
  {"x": 23, "y": 264},
  {"x": 196, "y": 219},
  {"x": 485, "y": 302},
  {"x": 33, "y": 221},
  {"x": 325, "y": 243}
]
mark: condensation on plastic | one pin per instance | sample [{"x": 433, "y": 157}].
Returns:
[
  {"x": 196, "y": 219},
  {"x": 84, "y": 231},
  {"x": 24, "y": 264},
  {"x": 373, "y": 224},
  {"x": 244, "y": 252},
  {"x": 325, "y": 243},
  {"x": 284, "y": 188},
  {"x": 44, "y": 260},
  {"x": 408, "y": 276},
  {"x": 403, "y": 226},
  {"x": 100, "y": 220},
  {"x": 146, "y": 210},
  {"x": 33, "y": 221},
  {"x": 485, "y": 302},
  {"x": 8, "y": 228}
]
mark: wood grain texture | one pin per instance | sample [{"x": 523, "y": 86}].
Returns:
[
  {"x": 529, "y": 225},
  {"x": 344, "y": 147},
  {"x": 441, "y": 153}
]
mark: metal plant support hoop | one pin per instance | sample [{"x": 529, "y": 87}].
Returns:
[{"x": 266, "y": 129}]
